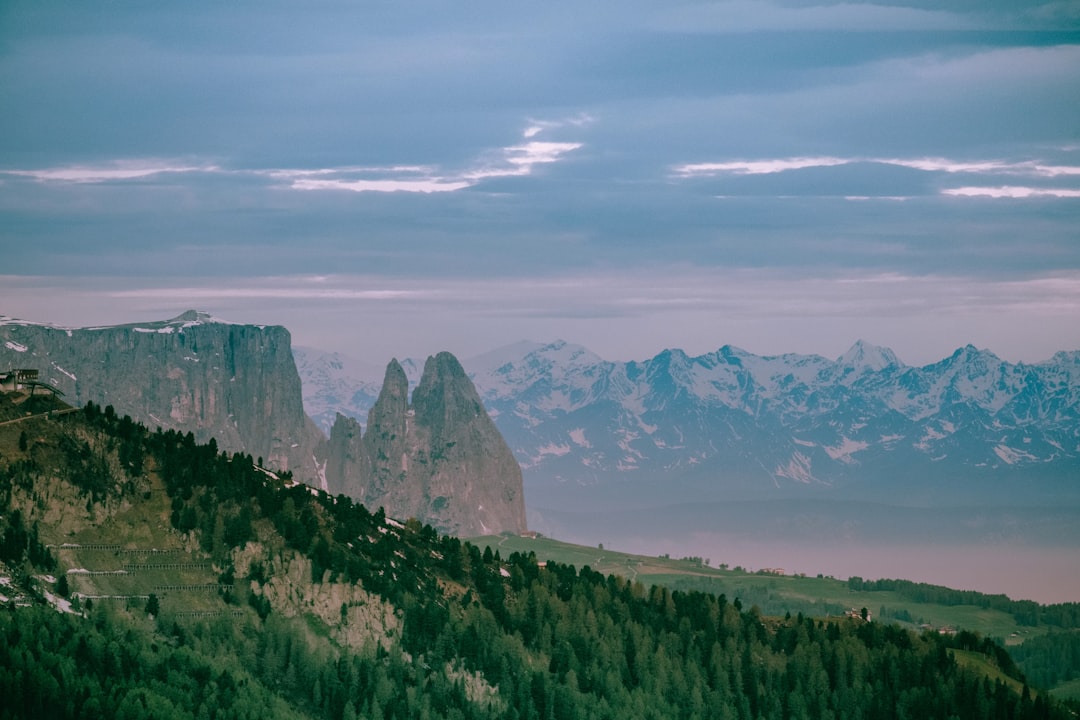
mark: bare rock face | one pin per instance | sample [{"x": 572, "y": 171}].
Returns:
[
  {"x": 235, "y": 383},
  {"x": 342, "y": 457},
  {"x": 387, "y": 448},
  {"x": 440, "y": 459}
]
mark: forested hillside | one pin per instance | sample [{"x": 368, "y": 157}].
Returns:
[{"x": 299, "y": 604}]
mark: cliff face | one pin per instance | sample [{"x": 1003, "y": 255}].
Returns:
[
  {"x": 235, "y": 383},
  {"x": 387, "y": 448},
  {"x": 440, "y": 460}
]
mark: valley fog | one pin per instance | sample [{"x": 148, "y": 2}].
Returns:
[{"x": 1043, "y": 574}]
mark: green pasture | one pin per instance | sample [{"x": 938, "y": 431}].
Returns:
[{"x": 774, "y": 594}]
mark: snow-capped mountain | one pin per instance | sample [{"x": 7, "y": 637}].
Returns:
[
  {"x": 735, "y": 424},
  {"x": 335, "y": 383}
]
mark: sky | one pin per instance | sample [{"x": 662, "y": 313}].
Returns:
[{"x": 391, "y": 179}]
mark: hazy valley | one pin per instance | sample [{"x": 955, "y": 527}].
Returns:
[
  {"x": 858, "y": 465},
  {"x": 855, "y": 466}
]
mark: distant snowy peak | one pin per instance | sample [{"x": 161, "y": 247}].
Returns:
[
  {"x": 975, "y": 357},
  {"x": 1071, "y": 357},
  {"x": 492, "y": 360},
  {"x": 865, "y": 357},
  {"x": 522, "y": 365}
]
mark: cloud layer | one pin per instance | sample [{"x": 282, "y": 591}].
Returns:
[{"x": 780, "y": 148}]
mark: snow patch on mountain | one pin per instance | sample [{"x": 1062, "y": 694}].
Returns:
[
  {"x": 845, "y": 450},
  {"x": 1012, "y": 456},
  {"x": 797, "y": 469},
  {"x": 60, "y": 369},
  {"x": 864, "y": 357},
  {"x": 556, "y": 449},
  {"x": 578, "y": 436}
]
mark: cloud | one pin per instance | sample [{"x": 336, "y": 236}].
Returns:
[
  {"x": 1027, "y": 167},
  {"x": 117, "y": 170},
  {"x": 1011, "y": 191},
  {"x": 754, "y": 15},
  {"x": 516, "y": 160},
  {"x": 756, "y": 167},
  {"x": 538, "y": 126},
  {"x": 415, "y": 186},
  {"x": 1031, "y": 168}
]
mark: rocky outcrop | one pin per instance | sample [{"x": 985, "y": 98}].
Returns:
[
  {"x": 354, "y": 617},
  {"x": 440, "y": 459},
  {"x": 235, "y": 383}
]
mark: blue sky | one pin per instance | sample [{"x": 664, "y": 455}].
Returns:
[{"x": 393, "y": 179}]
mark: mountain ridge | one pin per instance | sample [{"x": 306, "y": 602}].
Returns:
[
  {"x": 234, "y": 382},
  {"x": 732, "y": 421},
  {"x": 437, "y": 457}
]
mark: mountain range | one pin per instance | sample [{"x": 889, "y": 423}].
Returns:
[
  {"x": 597, "y": 441},
  {"x": 732, "y": 425}
]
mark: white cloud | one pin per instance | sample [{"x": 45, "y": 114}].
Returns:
[
  {"x": 756, "y": 167},
  {"x": 118, "y": 170},
  {"x": 536, "y": 127},
  {"x": 414, "y": 186},
  {"x": 1012, "y": 191},
  {"x": 512, "y": 161},
  {"x": 863, "y": 198},
  {"x": 294, "y": 173},
  {"x": 520, "y": 159},
  {"x": 1028, "y": 168}
]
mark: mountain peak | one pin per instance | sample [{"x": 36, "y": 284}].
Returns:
[
  {"x": 864, "y": 356},
  {"x": 189, "y": 318},
  {"x": 445, "y": 394},
  {"x": 970, "y": 352},
  {"x": 393, "y": 398},
  {"x": 562, "y": 351},
  {"x": 440, "y": 459}
]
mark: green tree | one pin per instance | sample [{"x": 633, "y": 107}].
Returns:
[{"x": 153, "y": 607}]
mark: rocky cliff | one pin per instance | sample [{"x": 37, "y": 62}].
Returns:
[
  {"x": 440, "y": 459},
  {"x": 235, "y": 383}
]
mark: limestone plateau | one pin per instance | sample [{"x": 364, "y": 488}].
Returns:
[
  {"x": 440, "y": 459},
  {"x": 231, "y": 382}
]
